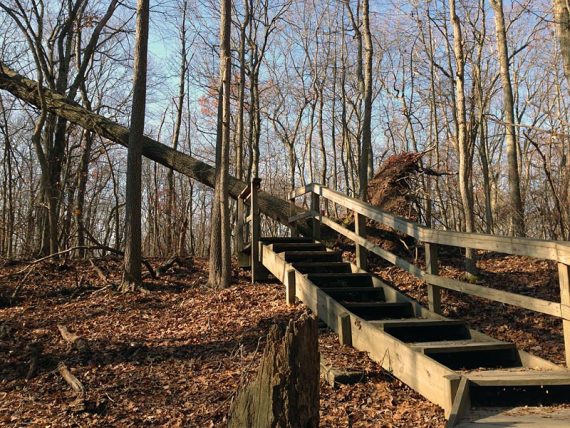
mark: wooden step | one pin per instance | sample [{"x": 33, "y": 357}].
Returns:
[
  {"x": 324, "y": 267},
  {"x": 381, "y": 310},
  {"x": 312, "y": 256},
  {"x": 476, "y": 355},
  {"x": 355, "y": 294},
  {"x": 297, "y": 246},
  {"x": 285, "y": 239},
  {"x": 519, "y": 387},
  {"x": 519, "y": 377},
  {"x": 519, "y": 417},
  {"x": 341, "y": 279},
  {"x": 426, "y": 330}
]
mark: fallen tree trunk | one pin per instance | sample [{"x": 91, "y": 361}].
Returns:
[
  {"x": 285, "y": 392},
  {"x": 27, "y": 90}
]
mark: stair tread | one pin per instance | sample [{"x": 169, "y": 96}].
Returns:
[
  {"x": 520, "y": 417},
  {"x": 416, "y": 322},
  {"x": 285, "y": 239},
  {"x": 438, "y": 347},
  {"x": 355, "y": 288},
  {"x": 376, "y": 304},
  {"x": 304, "y": 252},
  {"x": 458, "y": 342},
  {"x": 519, "y": 377},
  {"x": 341, "y": 275}
]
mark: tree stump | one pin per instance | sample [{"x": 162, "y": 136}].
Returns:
[{"x": 285, "y": 391}]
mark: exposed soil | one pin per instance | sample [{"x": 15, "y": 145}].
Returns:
[{"x": 175, "y": 356}]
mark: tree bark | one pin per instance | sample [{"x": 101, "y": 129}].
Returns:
[
  {"x": 517, "y": 210},
  {"x": 26, "y": 90},
  {"x": 132, "y": 277},
  {"x": 220, "y": 250},
  {"x": 285, "y": 392},
  {"x": 465, "y": 187},
  {"x": 562, "y": 17}
]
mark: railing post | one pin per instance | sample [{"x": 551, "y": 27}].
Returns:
[
  {"x": 360, "y": 230},
  {"x": 290, "y": 287},
  {"x": 256, "y": 267},
  {"x": 316, "y": 208},
  {"x": 564, "y": 280},
  {"x": 243, "y": 259},
  {"x": 434, "y": 292},
  {"x": 292, "y": 226}
]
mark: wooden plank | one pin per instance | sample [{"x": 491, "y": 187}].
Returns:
[
  {"x": 373, "y": 248},
  {"x": 255, "y": 230},
  {"x": 526, "y": 302},
  {"x": 519, "y": 377},
  {"x": 292, "y": 226},
  {"x": 550, "y": 250},
  {"x": 360, "y": 230},
  {"x": 300, "y": 191},
  {"x": 316, "y": 208},
  {"x": 434, "y": 292},
  {"x": 306, "y": 214},
  {"x": 290, "y": 287},
  {"x": 244, "y": 194},
  {"x": 461, "y": 404},
  {"x": 564, "y": 282},
  {"x": 344, "y": 329}
]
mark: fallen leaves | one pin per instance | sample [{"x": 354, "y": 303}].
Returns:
[{"x": 174, "y": 357}]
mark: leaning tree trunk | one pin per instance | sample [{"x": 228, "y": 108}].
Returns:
[
  {"x": 26, "y": 90},
  {"x": 285, "y": 392}
]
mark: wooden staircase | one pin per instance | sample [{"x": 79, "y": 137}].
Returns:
[
  {"x": 456, "y": 367},
  {"x": 476, "y": 379}
]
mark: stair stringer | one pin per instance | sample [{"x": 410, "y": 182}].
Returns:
[{"x": 429, "y": 378}]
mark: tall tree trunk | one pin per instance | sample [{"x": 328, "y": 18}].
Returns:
[
  {"x": 465, "y": 187},
  {"x": 517, "y": 210},
  {"x": 173, "y": 226},
  {"x": 562, "y": 17},
  {"x": 132, "y": 270},
  {"x": 220, "y": 250}
]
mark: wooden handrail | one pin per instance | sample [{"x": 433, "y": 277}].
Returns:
[
  {"x": 550, "y": 250},
  {"x": 542, "y": 249}
]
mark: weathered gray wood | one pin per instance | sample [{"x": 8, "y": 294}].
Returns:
[
  {"x": 360, "y": 230},
  {"x": 526, "y": 302},
  {"x": 290, "y": 287},
  {"x": 256, "y": 266},
  {"x": 26, "y": 90},
  {"x": 550, "y": 250},
  {"x": 564, "y": 281},
  {"x": 461, "y": 404},
  {"x": 344, "y": 329},
  {"x": 434, "y": 292},
  {"x": 292, "y": 222},
  {"x": 285, "y": 392},
  {"x": 316, "y": 208}
]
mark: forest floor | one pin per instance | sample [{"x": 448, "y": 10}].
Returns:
[{"x": 176, "y": 356}]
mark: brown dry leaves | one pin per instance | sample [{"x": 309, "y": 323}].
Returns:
[{"x": 172, "y": 357}]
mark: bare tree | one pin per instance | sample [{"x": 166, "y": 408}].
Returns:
[
  {"x": 517, "y": 211},
  {"x": 220, "y": 250},
  {"x": 132, "y": 270}
]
